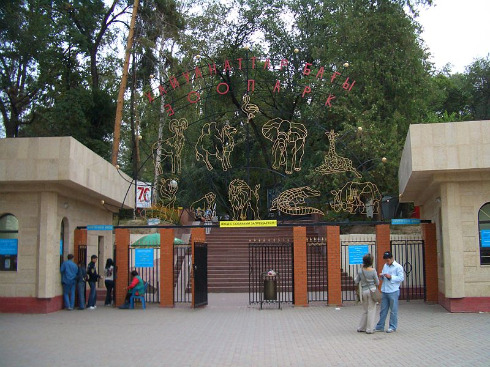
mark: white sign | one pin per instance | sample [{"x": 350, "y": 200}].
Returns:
[{"x": 143, "y": 194}]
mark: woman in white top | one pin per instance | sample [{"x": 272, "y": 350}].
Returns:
[
  {"x": 369, "y": 281},
  {"x": 109, "y": 281}
]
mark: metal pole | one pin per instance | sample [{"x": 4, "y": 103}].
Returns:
[{"x": 122, "y": 88}]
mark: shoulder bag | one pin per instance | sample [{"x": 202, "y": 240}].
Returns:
[{"x": 375, "y": 293}]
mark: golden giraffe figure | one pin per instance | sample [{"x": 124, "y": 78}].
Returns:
[{"x": 332, "y": 162}]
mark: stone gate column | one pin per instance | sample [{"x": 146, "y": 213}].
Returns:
[
  {"x": 122, "y": 242},
  {"x": 166, "y": 267},
  {"x": 300, "y": 267},
  {"x": 383, "y": 244},
  {"x": 430, "y": 262},
  {"x": 333, "y": 260},
  {"x": 79, "y": 238}
]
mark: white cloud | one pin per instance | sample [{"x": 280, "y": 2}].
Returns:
[{"x": 456, "y": 32}]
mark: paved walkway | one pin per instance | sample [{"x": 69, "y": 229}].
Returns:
[{"x": 229, "y": 332}]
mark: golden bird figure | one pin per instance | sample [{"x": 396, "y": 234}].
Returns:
[{"x": 250, "y": 109}]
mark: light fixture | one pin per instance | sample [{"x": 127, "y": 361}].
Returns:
[{"x": 384, "y": 159}]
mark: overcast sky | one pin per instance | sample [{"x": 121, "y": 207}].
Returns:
[{"x": 456, "y": 31}]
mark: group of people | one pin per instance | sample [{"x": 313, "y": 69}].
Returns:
[
  {"x": 75, "y": 277},
  {"x": 392, "y": 275}
]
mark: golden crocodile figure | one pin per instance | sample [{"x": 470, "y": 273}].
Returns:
[{"x": 290, "y": 201}]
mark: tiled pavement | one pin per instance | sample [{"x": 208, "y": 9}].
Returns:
[{"x": 229, "y": 332}]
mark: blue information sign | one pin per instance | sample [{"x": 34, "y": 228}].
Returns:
[
  {"x": 100, "y": 227},
  {"x": 356, "y": 253},
  {"x": 485, "y": 237},
  {"x": 8, "y": 246},
  {"x": 405, "y": 221},
  {"x": 143, "y": 258}
]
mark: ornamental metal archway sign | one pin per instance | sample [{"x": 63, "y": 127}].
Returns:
[{"x": 218, "y": 108}]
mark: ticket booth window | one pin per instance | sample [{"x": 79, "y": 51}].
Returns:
[
  {"x": 9, "y": 230},
  {"x": 484, "y": 232}
]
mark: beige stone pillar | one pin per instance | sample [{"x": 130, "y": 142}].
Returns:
[{"x": 48, "y": 275}]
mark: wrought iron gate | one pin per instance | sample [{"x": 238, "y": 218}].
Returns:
[
  {"x": 410, "y": 255},
  {"x": 149, "y": 272},
  {"x": 317, "y": 269},
  {"x": 200, "y": 274},
  {"x": 348, "y": 271},
  {"x": 265, "y": 256}
]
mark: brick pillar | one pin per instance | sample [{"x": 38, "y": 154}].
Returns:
[
  {"x": 300, "y": 270},
  {"x": 166, "y": 268},
  {"x": 430, "y": 262},
  {"x": 198, "y": 234},
  {"x": 122, "y": 242},
  {"x": 383, "y": 244},
  {"x": 333, "y": 261},
  {"x": 79, "y": 238}
]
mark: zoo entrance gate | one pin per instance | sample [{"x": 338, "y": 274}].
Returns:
[{"x": 315, "y": 271}]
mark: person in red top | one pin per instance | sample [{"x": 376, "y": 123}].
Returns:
[{"x": 137, "y": 287}]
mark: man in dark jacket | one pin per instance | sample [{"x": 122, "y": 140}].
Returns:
[{"x": 93, "y": 277}]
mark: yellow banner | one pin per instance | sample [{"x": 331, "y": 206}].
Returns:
[{"x": 248, "y": 223}]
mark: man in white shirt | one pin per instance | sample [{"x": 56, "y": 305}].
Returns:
[{"x": 392, "y": 275}]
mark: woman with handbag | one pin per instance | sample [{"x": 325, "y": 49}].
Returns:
[{"x": 369, "y": 280}]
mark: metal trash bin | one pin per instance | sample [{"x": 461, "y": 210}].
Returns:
[{"x": 270, "y": 288}]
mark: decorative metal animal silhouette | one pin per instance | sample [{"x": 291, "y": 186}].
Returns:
[
  {"x": 250, "y": 109},
  {"x": 354, "y": 196},
  {"x": 291, "y": 201},
  {"x": 207, "y": 202},
  {"x": 288, "y": 143},
  {"x": 215, "y": 142},
  {"x": 332, "y": 162},
  {"x": 171, "y": 147},
  {"x": 241, "y": 197},
  {"x": 167, "y": 193}
]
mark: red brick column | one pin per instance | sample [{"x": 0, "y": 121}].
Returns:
[
  {"x": 167, "y": 267},
  {"x": 198, "y": 234},
  {"x": 79, "y": 238},
  {"x": 383, "y": 244},
  {"x": 122, "y": 242},
  {"x": 333, "y": 260},
  {"x": 430, "y": 262},
  {"x": 300, "y": 270}
]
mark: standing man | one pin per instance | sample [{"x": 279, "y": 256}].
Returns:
[
  {"x": 81, "y": 283},
  {"x": 392, "y": 275},
  {"x": 93, "y": 277},
  {"x": 69, "y": 272}
]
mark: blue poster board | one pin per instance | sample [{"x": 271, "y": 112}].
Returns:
[
  {"x": 100, "y": 227},
  {"x": 8, "y": 246},
  {"x": 356, "y": 253},
  {"x": 485, "y": 237},
  {"x": 407, "y": 221},
  {"x": 143, "y": 258}
]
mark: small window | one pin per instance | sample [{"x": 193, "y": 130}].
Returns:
[
  {"x": 9, "y": 229},
  {"x": 484, "y": 232}
]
